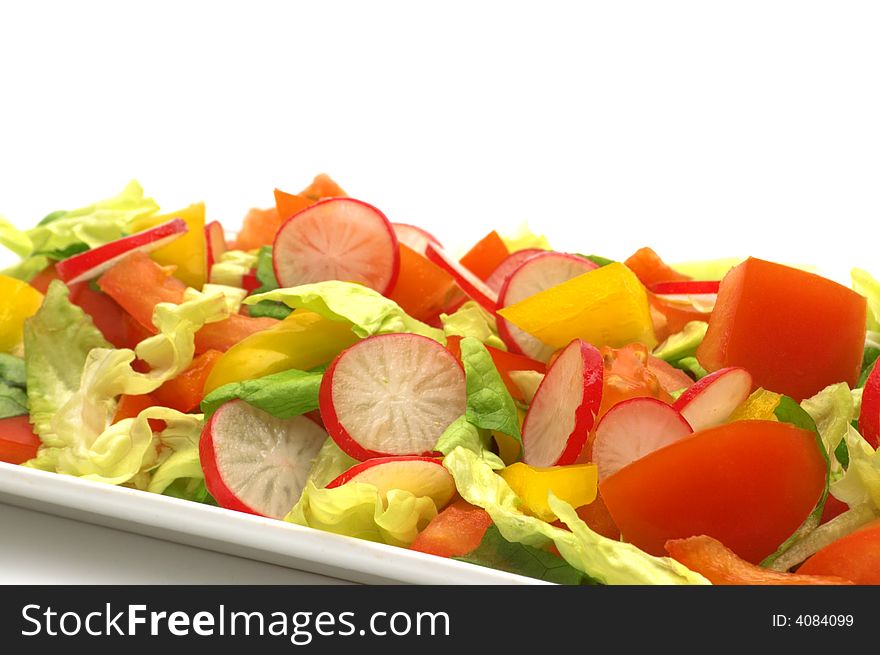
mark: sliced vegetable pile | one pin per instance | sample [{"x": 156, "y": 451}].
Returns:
[{"x": 563, "y": 416}]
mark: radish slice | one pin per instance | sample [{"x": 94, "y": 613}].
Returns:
[
  {"x": 256, "y": 463},
  {"x": 869, "y": 414},
  {"x": 537, "y": 273},
  {"x": 337, "y": 239},
  {"x": 391, "y": 394},
  {"x": 421, "y": 476},
  {"x": 564, "y": 408},
  {"x": 414, "y": 237},
  {"x": 92, "y": 263},
  {"x": 686, "y": 287},
  {"x": 469, "y": 283},
  {"x": 215, "y": 240},
  {"x": 711, "y": 401},
  {"x": 632, "y": 429},
  {"x": 499, "y": 276}
]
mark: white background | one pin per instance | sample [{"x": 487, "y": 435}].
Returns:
[{"x": 703, "y": 129}]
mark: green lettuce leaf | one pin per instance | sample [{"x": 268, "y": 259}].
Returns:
[
  {"x": 12, "y": 371},
  {"x": 283, "y": 395},
  {"x": 57, "y": 341},
  {"x": 471, "y": 320},
  {"x": 13, "y": 387},
  {"x": 268, "y": 282},
  {"x": 13, "y": 401},
  {"x": 190, "y": 489},
  {"x": 865, "y": 284},
  {"x": 368, "y": 311},
  {"x": 329, "y": 464},
  {"x": 462, "y": 433},
  {"x": 360, "y": 510},
  {"x": 604, "y": 560},
  {"x": 489, "y": 403},
  {"x": 80, "y": 439},
  {"x": 496, "y": 552}
]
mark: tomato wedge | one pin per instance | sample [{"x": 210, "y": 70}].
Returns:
[
  {"x": 721, "y": 566},
  {"x": 749, "y": 484},
  {"x": 455, "y": 531},
  {"x": 18, "y": 443},
  {"x": 794, "y": 331}
]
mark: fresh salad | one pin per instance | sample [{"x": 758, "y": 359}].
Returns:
[{"x": 560, "y": 415}]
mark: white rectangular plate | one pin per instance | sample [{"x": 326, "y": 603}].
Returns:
[{"x": 235, "y": 533}]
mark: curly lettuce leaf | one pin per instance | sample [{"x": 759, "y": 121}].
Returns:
[
  {"x": 604, "y": 560},
  {"x": 57, "y": 341},
  {"x": 471, "y": 320},
  {"x": 360, "y": 510},
  {"x": 465, "y": 434},
  {"x": 368, "y": 311},
  {"x": 80, "y": 439},
  {"x": 95, "y": 225},
  {"x": 329, "y": 464}
]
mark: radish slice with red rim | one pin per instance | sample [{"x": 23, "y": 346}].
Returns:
[
  {"x": 564, "y": 408},
  {"x": 469, "y": 283},
  {"x": 499, "y": 276},
  {"x": 421, "y": 476},
  {"x": 256, "y": 463},
  {"x": 391, "y": 394},
  {"x": 92, "y": 263},
  {"x": 632, "y": 429},
  {"x": 215, "y": 241},
  {"x": 537, "y": 273},
  {"x": 414, "y": 237},
  {"x": 337, "y": 239},
  {"x": 711, "y": 400}
]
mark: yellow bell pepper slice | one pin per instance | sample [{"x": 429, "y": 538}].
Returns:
[
  {"x": 605, "y": 307},
  {"x": 189, "y": 252},
  {"x": 575, "y": 484},
  {"x": 20, "y": 301},
  {"x": 303, "y": 340},
  {"x": 760, "y": 406}
]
